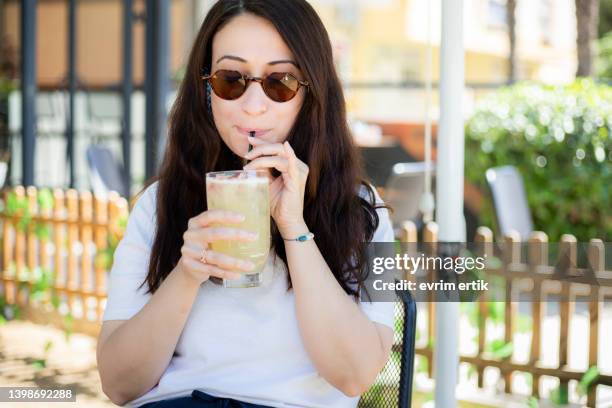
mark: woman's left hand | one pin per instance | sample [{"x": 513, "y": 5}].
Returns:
[{"x": 287, "y": 190}]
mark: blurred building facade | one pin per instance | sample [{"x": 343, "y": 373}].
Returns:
[
  {"x": 386, "y": 41},
  {"x": 99, "y": 40},
  {"x": 389, "y": 38},
  {"x": 380, "y": 49},
  {"x": 374, "y": 40}
]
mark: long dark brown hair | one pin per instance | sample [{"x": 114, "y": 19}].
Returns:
[{"x": 333, "y": 209}]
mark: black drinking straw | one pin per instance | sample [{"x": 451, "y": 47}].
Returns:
[{"x": 252, "y": 133}]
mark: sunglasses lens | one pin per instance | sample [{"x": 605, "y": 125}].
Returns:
[
  {"x": 228, "y": 84},
  {"x": 281, "y": 87}
]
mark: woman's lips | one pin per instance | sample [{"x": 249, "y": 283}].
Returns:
[{"x": 248, "y": 131}]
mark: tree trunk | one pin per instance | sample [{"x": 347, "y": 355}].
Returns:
[
  {"x": 2, "y": 29},
  {"x": 587, "y": 16},
  {"x": 511, "y": 18}
]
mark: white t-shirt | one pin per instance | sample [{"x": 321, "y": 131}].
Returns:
[{"x": 237, "y": 343}]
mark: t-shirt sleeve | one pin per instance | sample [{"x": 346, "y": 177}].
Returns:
[
  {"x": 381, "y": 312},
  {"x": 131, "y": 261}
]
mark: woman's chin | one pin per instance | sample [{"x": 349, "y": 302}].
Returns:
[{"x": 239, "y": 152}]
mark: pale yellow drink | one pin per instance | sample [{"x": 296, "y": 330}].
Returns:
[{"x": 247, "y": 193}]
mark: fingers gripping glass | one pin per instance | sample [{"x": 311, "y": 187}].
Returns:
[{"x": 278, "y": 86}]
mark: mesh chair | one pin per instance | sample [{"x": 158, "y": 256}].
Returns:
[
  {"x": 403, "y": 192},
  {"x": 393, "y": 387},
  {"x": 105, "y": 172},
  {"x": 510, "y": 201}
]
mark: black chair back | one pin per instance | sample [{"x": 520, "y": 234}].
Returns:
[{"x": 393, "y": 387}]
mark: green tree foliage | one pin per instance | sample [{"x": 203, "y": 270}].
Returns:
[
  {"x": 603, "y": 64},
  {"x": 605, "y": 17}
]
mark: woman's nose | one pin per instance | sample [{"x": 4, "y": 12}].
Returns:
[{"x": 254, "y": 101}]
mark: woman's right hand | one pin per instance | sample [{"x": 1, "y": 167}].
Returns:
[{"x": 197, "y": 238}]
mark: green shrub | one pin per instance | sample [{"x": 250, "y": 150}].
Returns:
[
  {"x": 560, "y": 139},
  {"x": 603, "y": 62}
]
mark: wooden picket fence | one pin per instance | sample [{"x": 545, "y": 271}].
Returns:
[
  {"x": 540, "y": 276},
  {"x": 63, "y": 244}
]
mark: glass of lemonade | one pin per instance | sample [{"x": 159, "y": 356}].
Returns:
[{"x": 245, "y": 192}]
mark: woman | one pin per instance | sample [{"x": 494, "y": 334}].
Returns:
[{"x": 171, "y": 337}]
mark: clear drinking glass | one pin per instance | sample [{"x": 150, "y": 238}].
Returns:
[{"x": 245, "y": 192}]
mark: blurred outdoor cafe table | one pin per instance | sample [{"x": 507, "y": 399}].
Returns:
[
  {"x": 379, "y": 159},
  {"x": 384, "y": 144},
  {"x": 404, "y": 142}
]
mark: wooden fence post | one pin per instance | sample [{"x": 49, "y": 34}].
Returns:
[
  {"x": 596, "y": 253},
  {"x": 86, "y": 236},
  {"x": 484, "y": 237},
  {"x": 31, "y": 261},
  {"x": 430, "y": 243},
  {"x": 537, "y": 258},
  {"x": 512, "y": 256},
  {"x": 46, "y": 214},
  {"x": 72, "y": 201},
  {"x": 59, "y": 213},
  {"x": 567, "y": 260},
  {"x": 8, "y": 255},
  {"x": 19, "y": 251}
]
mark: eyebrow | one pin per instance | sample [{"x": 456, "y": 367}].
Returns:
[{"x": 233, "y": 57}]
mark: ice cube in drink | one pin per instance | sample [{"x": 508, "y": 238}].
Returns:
[{"x": 245, "y": 192}]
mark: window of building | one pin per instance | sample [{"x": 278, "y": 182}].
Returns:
[
  {"x": 497, "y": 16},
  {"x": 545, "y": 19}
]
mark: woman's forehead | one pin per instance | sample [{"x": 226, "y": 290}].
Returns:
[{"x": 252, "y": 39}]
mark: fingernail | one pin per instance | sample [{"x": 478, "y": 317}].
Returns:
[
  {"x": 253, "y": 235},
  {"x": 247, "y": 265}
]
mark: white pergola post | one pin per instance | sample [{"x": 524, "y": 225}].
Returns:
[
  {"x": 197, "y": 12},
  {"x": 449, "y": 192}
]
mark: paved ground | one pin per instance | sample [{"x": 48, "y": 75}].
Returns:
[
  {"x": 69, "y": 363},
  {"x": 72, "y": 363}
]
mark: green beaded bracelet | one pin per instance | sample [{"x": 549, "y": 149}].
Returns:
[{"x": 305, "y": 237}]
